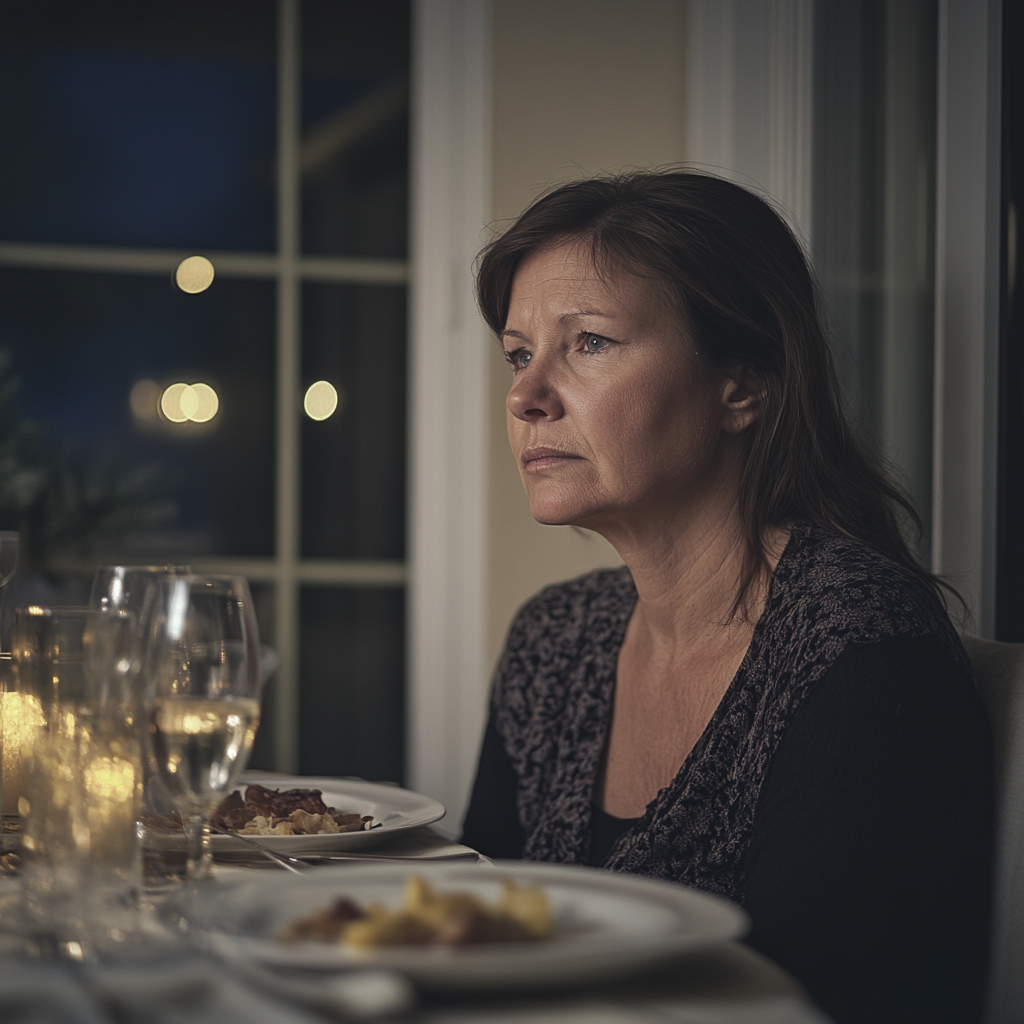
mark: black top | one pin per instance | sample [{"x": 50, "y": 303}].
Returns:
[
  {"x": 866, "y": 863},
  {"x": 605, "y": 831}
]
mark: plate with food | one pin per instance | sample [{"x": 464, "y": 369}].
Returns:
[
  {"x": 298, "y": 815},
  {"x": 468, "y": 927}
]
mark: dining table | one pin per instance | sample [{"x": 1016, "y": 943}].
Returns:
[{"x": 188, "y": 981}]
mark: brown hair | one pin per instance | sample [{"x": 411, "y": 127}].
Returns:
[{"x": 738, "y": 279}]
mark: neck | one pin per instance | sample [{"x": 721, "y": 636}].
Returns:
[
  {"x": 687, "y": 584},
  {"x": 687, "y": 566}
]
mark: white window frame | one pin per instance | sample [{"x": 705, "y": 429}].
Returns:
[{"x": 447, "y": 649}]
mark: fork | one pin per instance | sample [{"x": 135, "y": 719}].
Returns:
[
  {"x": 296, "y": 864},
  {"x": 292, "y": 864}
]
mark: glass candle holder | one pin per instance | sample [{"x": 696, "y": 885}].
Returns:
[{"x": 78, "y": 697}]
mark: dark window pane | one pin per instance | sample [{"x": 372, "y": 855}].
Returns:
[
  {"x": 138, "y": 123},
  {"x": 353, "y": 464},
  {"x": 352, "y": 696},
  {"x": 84, "y": 344},
  {"x": 355, "y": 127}
]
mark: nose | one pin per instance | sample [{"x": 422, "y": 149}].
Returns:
[{"x": 534, "y": 395}]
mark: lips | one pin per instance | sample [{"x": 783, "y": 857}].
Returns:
[{"x": 544, "y": 456}]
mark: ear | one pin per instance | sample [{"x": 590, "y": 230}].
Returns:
[{"x": 742, "y": 400}]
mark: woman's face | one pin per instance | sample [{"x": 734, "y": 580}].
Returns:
[{"x": 610, "y": 415}]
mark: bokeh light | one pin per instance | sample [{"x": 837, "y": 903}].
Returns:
[
  {"x": 321, "y": 400},
  {"x": 194, "y": 274},
  {"x": 208, "y": 405},
  {"x": 197, "y": 403},
  {"x": 170, "y": 403},
  {"x": 144, "y": 401}
]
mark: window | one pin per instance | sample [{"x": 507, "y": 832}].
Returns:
[
  {"x": 874, "y": 221},
  {"x": 272, "y": 137}
]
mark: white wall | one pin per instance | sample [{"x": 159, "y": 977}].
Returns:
[{"x": 579, "y": 87}]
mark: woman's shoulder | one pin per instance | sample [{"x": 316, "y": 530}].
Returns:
[
  {"x": 841, "y": 585},
  {"x": 552, "y": 629}
]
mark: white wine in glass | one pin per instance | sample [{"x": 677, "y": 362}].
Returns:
[
  {"x": 199, "y": 743},
  {"x": 202, "y": 665}
]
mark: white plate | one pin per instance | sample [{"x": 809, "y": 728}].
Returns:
[
  {"x": 609, "y": 924},
  {"x": 398, "y": 810}
]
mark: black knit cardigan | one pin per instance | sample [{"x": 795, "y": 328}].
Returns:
[{"x": 555, "y": 680}]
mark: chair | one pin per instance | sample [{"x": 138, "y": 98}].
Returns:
[{"x": 999, "y": 670}]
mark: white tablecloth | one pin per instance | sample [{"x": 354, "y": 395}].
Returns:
[{"x": 726, "y": 985}]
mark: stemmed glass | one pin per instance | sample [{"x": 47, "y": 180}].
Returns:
[
  {"x": 201, "y": 662},
  {"x": 10, "y": 822},
  {"x": 125, "y": 587}
]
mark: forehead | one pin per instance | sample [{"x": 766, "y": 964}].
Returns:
[{"x": 567, "y": 275}]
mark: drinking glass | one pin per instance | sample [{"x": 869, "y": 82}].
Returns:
[
  {"x": 77, "y": 673},
  {"x": 10, "y": 544},
  {"x": 201, "y": 663}
]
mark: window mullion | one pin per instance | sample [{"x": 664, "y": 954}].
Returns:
[{"x": 286, "y": 605}]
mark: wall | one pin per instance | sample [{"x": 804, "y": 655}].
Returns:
[{"x": 579, "y": 87}]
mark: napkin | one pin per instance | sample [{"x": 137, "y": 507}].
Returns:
[{"x": 421, "y": 842}]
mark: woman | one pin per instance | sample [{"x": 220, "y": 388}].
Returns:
[{"x": 768, "y": 702}]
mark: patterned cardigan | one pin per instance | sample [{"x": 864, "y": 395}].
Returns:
[{"x": 553, "y": 695}]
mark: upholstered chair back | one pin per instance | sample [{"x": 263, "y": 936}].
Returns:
[{"x": 999, "y": 670}]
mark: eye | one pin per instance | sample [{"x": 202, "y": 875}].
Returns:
[
  {"x": 518, "y": 359},
  {"x": 594, "y": 343}
]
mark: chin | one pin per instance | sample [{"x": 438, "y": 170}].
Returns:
[
  {"x": 546, "y": 518},
  {"x": 560, "y": 510}
]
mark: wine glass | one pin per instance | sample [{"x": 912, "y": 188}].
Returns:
[
  {"x": 201, "y": 661},
  {"x": 124, "y": 587}
]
